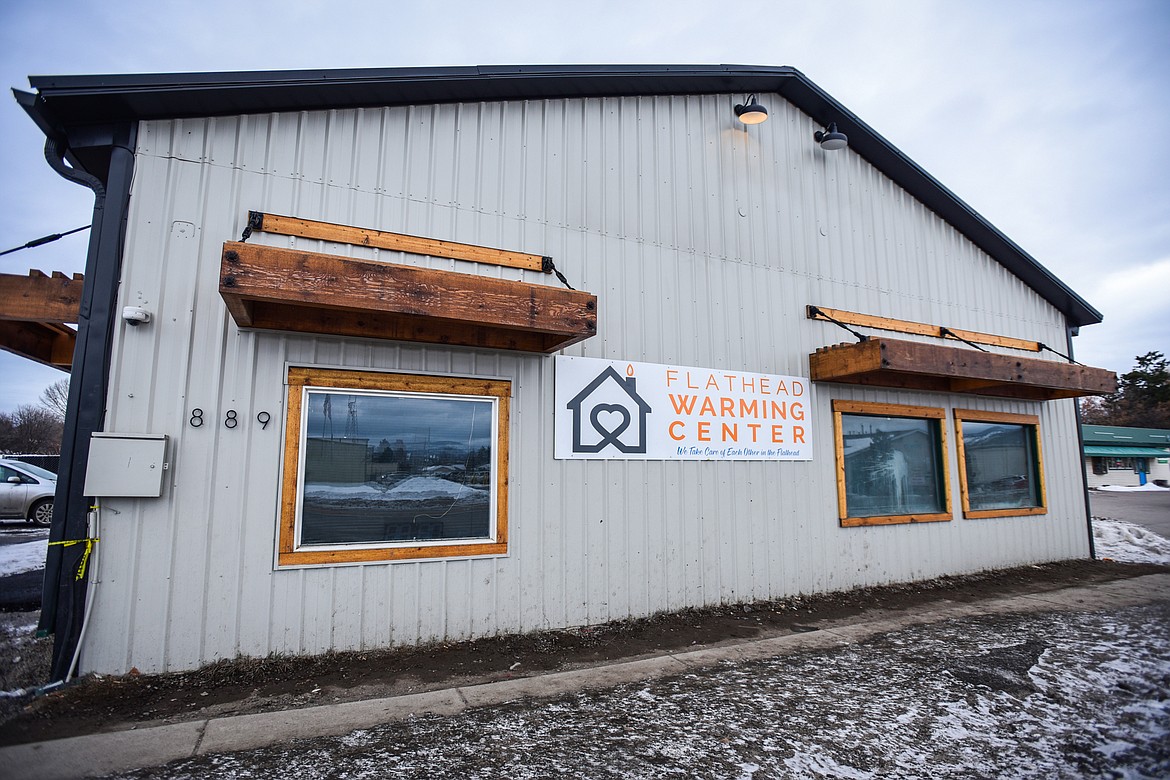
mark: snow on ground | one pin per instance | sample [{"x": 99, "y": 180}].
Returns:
[
  {"x": 23, "y": 557},
  {"x": 328, "y": 490},
  {"x": 423, "y": 488},
  {"x": 1149, "y": 487},
  {"x": 1129, "y": 543},
  {"x": 413, "y": 489},
  {"x": 1047, "y": 695}
]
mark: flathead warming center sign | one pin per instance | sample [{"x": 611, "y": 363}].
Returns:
[{"x": 615, "y": 409}]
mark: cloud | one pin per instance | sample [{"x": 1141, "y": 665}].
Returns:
[
  {"x": 1045, "y": 116},
  {"x": 1136, "y": 303}
]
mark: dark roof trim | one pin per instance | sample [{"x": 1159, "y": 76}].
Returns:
[{"x": 66, "y": 102}]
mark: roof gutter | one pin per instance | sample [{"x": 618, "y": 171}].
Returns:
[{"x": 64, "y": 595}]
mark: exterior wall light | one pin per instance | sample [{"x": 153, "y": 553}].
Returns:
[
  {"x": 751, "y": 113},
  {"x": 831, "y": 139}
]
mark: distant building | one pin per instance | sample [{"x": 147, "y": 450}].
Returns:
[{"x": 1131, "y": 457}]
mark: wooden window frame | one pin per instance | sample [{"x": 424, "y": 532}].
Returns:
[
  {"x": 300, "y": 379},
  {"x": 1030, "y": 420},
  {"x": 841, "y": 408}
]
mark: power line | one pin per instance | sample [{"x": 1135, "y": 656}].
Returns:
[{"x": 45, "y": 240}]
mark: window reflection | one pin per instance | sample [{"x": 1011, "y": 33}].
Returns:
[{"x": 891, "y": 466}]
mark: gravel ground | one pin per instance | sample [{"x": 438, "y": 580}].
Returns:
[
  {"x": 1021, "y": 696},
  {"x": 24, "y": 660},
  {"x": 1008, "y": 696}
]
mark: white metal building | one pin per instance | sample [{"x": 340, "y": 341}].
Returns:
[{"x": 392, "y": 304}]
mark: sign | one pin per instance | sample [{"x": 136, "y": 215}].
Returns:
[{"x": 619, "y": 410}]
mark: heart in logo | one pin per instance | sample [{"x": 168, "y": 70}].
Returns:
[{"x": 617, "y": 415}]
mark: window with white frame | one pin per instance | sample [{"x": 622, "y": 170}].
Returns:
[
  {"x": 1000, "y": 468},
  {"x": 891, "y": 463},
  {"x": 391, "y": 466}
]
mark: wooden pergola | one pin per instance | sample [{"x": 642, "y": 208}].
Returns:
[{"x": 34, "y": 312}]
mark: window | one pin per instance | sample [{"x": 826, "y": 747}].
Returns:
[
  {"x": 382, "y": 467},
  {"x": 891, "y": 464},
  {"x": 1100, "y": 466},
  {"x": 1128, "y": 464},
  {"x": 1000, "y": 469}
]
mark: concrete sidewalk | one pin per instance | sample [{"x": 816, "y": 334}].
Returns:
[{"x": 121, "y": 751}]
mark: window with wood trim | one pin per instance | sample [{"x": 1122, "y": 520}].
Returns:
[
  {"x": 391, "y": 466},
  {"x": 1001, "y": 471},
  {"x": 891, "y": 463}
]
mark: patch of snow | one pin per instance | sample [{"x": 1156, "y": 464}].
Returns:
[
  {"x": 1129, "y": 543},
  {"x": 21, "y": 558},
  {"x": 817, "y": 764},
  {"x": 330, "y": 490},
  {"x": 423, "y": 488},
  {"x": 1149, "y": 487},
  {"x": 412, "y": 489},
  {"x": 19, "y": 631}
]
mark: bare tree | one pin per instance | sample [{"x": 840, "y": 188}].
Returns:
[
  {"x": 56, "y": 398},
  {"x": 30, "y": 430}
]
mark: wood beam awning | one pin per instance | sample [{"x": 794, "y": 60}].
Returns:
[
  {"x": 884, "y": 362},
  {"x": 33, "y": 313},
  {"x": 271, "y": 288}
]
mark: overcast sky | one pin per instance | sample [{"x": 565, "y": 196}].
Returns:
[{"x": 1049, "y": 117}]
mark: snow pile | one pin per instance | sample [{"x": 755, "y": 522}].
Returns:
[
  {"x": 325, "y": 490},
  {"x": 426, "y": 488},
  {"x": 1149, "y": 487},
  {"x": 1127, "y": 542},
  {"x": 24, "y": 557},
  {"x": 413, "y": 489}
]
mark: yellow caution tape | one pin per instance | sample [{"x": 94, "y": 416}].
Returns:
[{"x": 84, "y": 556}]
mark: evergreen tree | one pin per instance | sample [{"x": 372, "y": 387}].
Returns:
[{"x": 1142, "y": 399}]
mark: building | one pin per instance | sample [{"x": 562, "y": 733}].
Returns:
[
  {"x": 1127, "y": 457},
  {"x": 687, "y": 360}
]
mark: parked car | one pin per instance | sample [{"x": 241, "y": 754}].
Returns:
[{"x": 26, "y": 492}]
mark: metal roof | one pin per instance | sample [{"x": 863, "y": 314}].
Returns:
[
  {"x": 67, "y": 105},
  {"x": 1118, "y": 436},
  {"x": 1126, "y": 452}
]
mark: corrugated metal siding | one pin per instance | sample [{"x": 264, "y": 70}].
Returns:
[{"x": 704, "y": 242}]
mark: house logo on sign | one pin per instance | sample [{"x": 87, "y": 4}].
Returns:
[{"x": 608, "y": 412}]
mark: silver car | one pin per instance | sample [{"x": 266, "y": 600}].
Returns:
[{"x": 26, "y": 492}]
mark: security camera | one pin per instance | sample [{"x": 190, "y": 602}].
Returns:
[{"x": 135, "y": 315}]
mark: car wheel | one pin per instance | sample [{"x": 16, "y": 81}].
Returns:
[{"x": 41, "y": 512}]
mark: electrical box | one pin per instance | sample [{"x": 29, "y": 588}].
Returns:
[{"x": 126, "y": 464}]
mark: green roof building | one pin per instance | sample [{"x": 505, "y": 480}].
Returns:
[{"x": 1126, "y": 456}]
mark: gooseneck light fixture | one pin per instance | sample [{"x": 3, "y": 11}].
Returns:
[
  {"x": 751, "y": 113},
  {"x": 831, "y": 139}
]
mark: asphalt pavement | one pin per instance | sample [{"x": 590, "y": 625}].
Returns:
[
  {"x": 21, "y": 592},
  {"x": 1150, "y": 509}
]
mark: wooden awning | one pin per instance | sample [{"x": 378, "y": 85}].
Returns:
[
  {"x": 271, "y": 288},
  {"x": 33, "y": 313},
  {"x": 883, "y": 362}
]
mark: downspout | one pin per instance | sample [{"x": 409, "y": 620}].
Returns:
[
  {"x": 1068, "y": 337},
  {"x": 64, "y": 597}
]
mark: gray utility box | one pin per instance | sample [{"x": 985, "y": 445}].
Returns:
[{"x": 126, "y": 464}]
